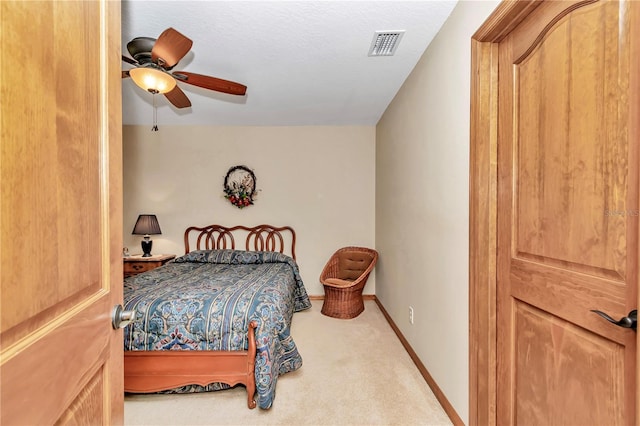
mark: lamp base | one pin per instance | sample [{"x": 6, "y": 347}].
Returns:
[{"x": 146, "y": 248}]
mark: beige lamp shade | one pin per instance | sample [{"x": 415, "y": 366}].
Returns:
[{"x": 152, "y": 80}]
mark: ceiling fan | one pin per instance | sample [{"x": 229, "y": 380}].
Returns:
[{"x": 154, "y": 60}]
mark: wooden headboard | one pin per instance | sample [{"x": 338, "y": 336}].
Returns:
[{"x": 258, "y": 238}]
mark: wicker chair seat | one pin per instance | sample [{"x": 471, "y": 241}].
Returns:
[
  {"x": 344, "y": 277},
  {"x": 338, "y": 282}
]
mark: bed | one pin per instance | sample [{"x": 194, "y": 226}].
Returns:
[{"x": 217, "y": 316}]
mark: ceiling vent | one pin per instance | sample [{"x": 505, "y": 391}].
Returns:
[{"x": 385, "y": 43}]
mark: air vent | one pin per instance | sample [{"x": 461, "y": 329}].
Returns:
[{"x": 385, "y": 43}]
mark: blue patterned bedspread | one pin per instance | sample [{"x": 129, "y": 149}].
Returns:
[{"x": 205, "y": 300}]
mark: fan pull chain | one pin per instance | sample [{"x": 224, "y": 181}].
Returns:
[{"x": 155, "y": 115}]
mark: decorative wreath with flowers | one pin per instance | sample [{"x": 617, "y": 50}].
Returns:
[{"x": 240, "y": 186}]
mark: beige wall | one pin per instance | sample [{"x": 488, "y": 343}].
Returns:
[
  {"x": 422, "y": 204},
  {"x": 319, "y": 180}
]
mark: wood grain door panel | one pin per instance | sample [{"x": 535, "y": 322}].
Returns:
[
  {"x": 567, "y": 217},
  {"x": 570, "y": 90},
  {"x": 51, "y": 370},
  {"x": 40, "y": 178},
  {"x": 569, "y": 295},
  {"x": 61, "y": 212},
  {"x": 555, "y": 361}
]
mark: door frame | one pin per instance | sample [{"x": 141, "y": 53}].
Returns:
[{"x": 483, "y": 202}]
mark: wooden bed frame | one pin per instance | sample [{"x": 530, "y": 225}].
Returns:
[{"x": 154, "y": 371}]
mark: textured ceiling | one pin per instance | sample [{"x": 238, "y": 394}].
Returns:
[{"x": 304, "y": 62}]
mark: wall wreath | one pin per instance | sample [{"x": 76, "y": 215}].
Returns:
[{"x": 240, "y": 186}]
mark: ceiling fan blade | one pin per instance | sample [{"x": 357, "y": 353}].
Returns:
[
  {"x": 170, "y": 47},
  {"x": 178, "y": 98},
  {"x": 211, "y": 83},
  {"x": 125, "y": 73},
  {"x": 129, "y": 60}
]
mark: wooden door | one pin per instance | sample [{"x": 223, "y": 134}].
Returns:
[
  {"x": 567, "y": 212},
  {"x": 61, "y": 212}
]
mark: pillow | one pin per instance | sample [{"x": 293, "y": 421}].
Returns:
[{"x": 351, "y": 264}]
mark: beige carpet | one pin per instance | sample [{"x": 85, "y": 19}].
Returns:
[{"x": 355, "y": 372}]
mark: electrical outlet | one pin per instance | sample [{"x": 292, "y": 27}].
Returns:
[{"x": 411, "y": 314}]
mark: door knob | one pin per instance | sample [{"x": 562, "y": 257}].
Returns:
[
  {"x": 629, "y": 321},
  {"x": 121, "y": 318}
]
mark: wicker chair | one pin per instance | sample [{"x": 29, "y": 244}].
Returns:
[{"x": 344, "y": 277}]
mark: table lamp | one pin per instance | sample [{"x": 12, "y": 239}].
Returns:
[{"x": 147, "y": 224}]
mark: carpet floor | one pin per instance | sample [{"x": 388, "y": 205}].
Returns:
[{"x": 355, "y": 372}]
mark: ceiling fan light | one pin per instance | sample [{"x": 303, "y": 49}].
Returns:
[{"x": 152, "y": 80}]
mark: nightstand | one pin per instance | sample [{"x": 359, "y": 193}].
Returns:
[{"x": 133, "y": 265}]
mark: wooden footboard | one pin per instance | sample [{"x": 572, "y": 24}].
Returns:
[{"x": 154, "y": 371}]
